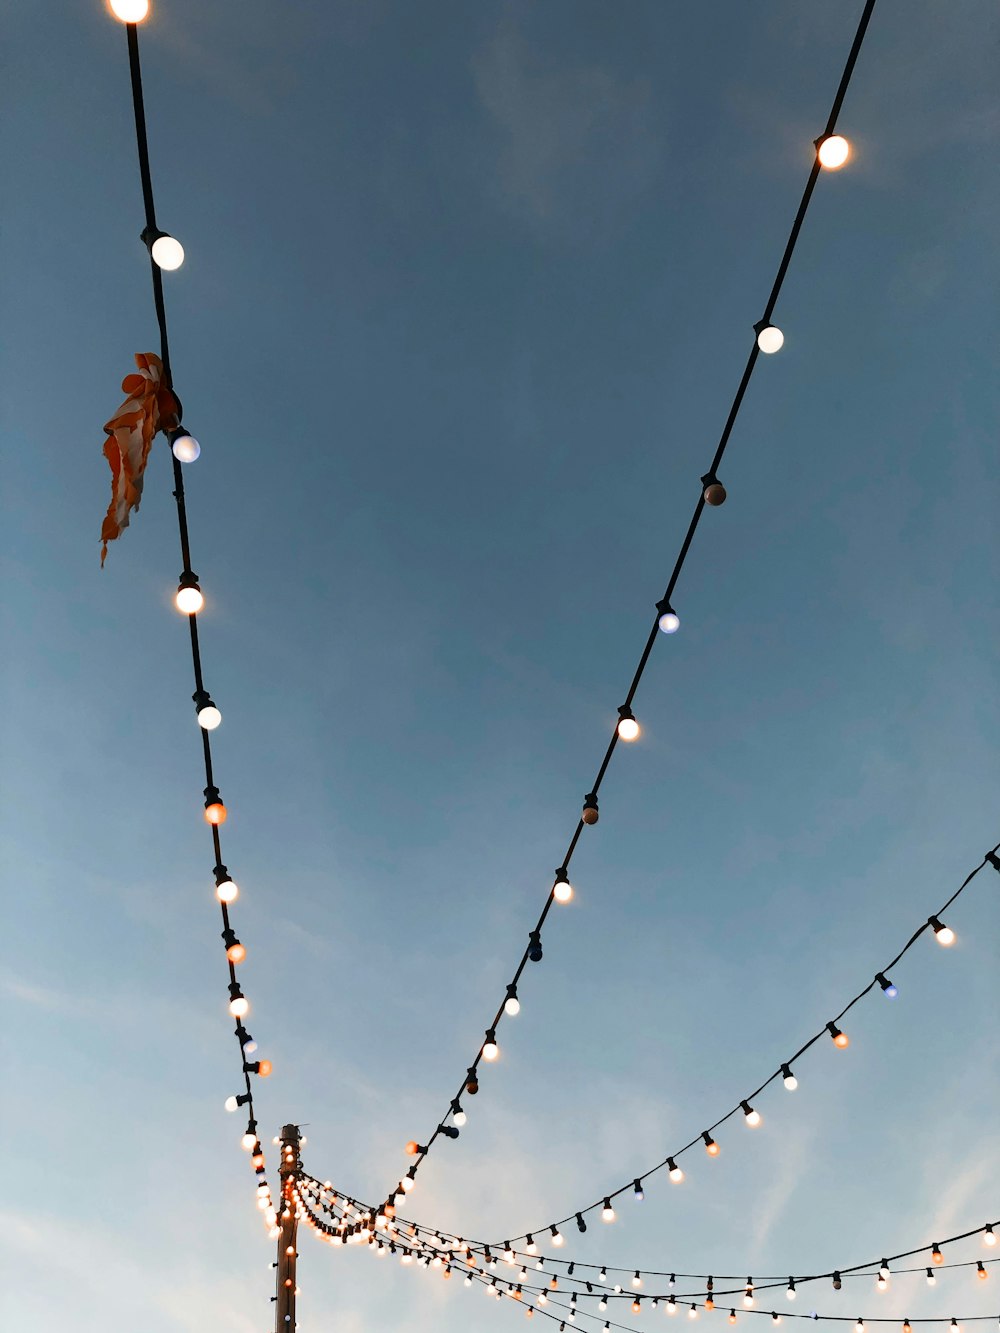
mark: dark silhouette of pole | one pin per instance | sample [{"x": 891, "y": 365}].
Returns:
[{"x": 284, "y": 1306}]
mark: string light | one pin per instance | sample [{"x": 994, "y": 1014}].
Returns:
[
  {"x": 981, "y": 1272},
  {"x": 790, "y": 1290},
  {"x": 215, "y": 811},
  {"x": 607, "y": 1212},
  {"x": 512, "y": 1005},
  {"x": 189, "y": 598},
  {"x": 637, "y": 1191},
  {"x": 225, "y": 890},
  {"x": 931, "y": 1277},
  {"x": 936, "y": 1256},
  {"x": 840, "y": 1039},
  {"x": 989, "y": 1236},
  {"x": 748, "y": 1296},
  {"x": 674, "y": 1171},
  {"x": 208, "y": 715},
  {"x": 790, "y": 1081},
  {"x": 711, "y": 1147},
  {"x": 130, "y": 11},
  {"x": 669, "y": 621},
  {"x": 942, "y": 933},
  {"x": 833, "y": 151},
  {"x": 713, "y": 491},
  {"x": 490, "y": 1048},
  {"x": 770, "y": 339},
  {"x": 751, "y": 1116},
  {"x": 184, "y": 446},
  {"x": 563, "y": 889},
  {"x": 166, "y": 250},
  {"x": 888, "y": 989},
  {"x": 628, "y": 727},
  {"x": 590, "y": 813}
]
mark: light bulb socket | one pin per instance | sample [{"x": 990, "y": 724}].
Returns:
[
  {"x": 229, "y": 937},
  {"x": 625, "y": 713},
  {"x": 202, "y": 700},
  {"x": 449, "y": 1131},
  {"x": 150, "y": 235},
  {"x": 837, "y": 1281},
  {"x": 511, "y": 995},
  {"x": 234, "y": 991},
  {"x": 471, "y": 1081},
  {"x": 590, "y": 812},
  {"x": 581, "y": 1225},
  {"x": 212, "y": 797},
  {"x": 188, "y": 579},
  {"x": 535, "y": 946}
]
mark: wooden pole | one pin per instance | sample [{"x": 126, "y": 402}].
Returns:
[{"x": 284, "y": 1319}]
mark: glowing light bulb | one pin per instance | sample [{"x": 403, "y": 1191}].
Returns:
[
  {"x": 775, "y": 1318},
  {"x": 881, "y": 1284},
  {"x": 216, "y": 813},
  {"x": 490, "y": 1048},
  {"x": 563, "y": 889},
  {"x": 956, "y": 1327},
  {"x": 731, "y": 1319},
  {"x": 637, "y": 1191},
  {"x": 883, "y": 1269},
  {"x": 184, "y": 447},
  {"x": 167, "y": 252},
  {"x": 840, "y": 1039},
  {"x": 791, "y": 1082},
  {"x": 931, "y": 1277},
  {"x": 693, "y": 1312},
  {"x": 859, "y": 1327},
  {"x": 628, "y": 727},
  {"x": 790, "y": 1290},
  {"x": 770, "y": 339},
  {"x": 512, "y": 1005},
  {"x": 557, "y": 1237},
  {"x": 130, "y": 11},
  {"x": 711, "y": 1147},
  {"x": 888, "y": 989},
  {"x": 669, "y": 621},
  {"x": 751, "y": 1116},
  {"x": 942, "y": 933},
  {"x": 247, "y": 1141},
  {"x": 989, "y": 1235},
  {"x": 602, "y": 1304},
  {"x": 636, "y": 1279},
  {"x": 226, "y": 891},
  {"x": 674, "y": 1171},
  {"x": 671, "y": 1305},
  {"x": 231, "y": 1103},
  {"x": 189, "y": 597},
  {"x": 607, "y": 1212},
  {"x": 833, "y": 152},
  {"x": 239, "y": 1006},
  {"x": 748, "y": 1298},
  {"x": 236, "y": 952},
  {"x": 981, "y": 1272},
  {"x": 209, "y": 716},
  {"x": 907, "y": 1326},
  {"x": 460, "y": 1118},
  {"x": 936, "y": 1256},
  {"x": 411, "y": 1148}
]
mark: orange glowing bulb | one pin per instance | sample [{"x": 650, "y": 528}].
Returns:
[
  {"x": 411, "y": 1149},
  {"x": 236, "y": 952},
  {"x": 264, "y": 1068},
  {"x": 216, "y": 813}
]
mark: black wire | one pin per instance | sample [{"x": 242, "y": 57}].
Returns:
[
  {"x": 695, "y": 519},
  {"x": 142, "y": 146},
  {"x": 416, "y": 1246}
]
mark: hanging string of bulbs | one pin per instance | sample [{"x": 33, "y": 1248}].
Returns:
[
  {"x": 167, "y": 253},
  {"x": 358, "y": 1222},
  {"x": 431, "y": 1250},
  {"x": 832, "y": 152},
  {"x": 551, "y": 1231}
]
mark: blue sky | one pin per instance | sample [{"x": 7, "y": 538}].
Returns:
[{"x": 468, "y": 291}]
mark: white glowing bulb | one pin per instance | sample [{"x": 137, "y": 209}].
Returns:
[
  {"x": 460, "y": 1118},
  {"x": 945, "y": 936},
  {"x": 189, "y": 600},
  {"x": 227, "y": 892},
  {"x": 676, "y": 1174},
  {"x": 563, "y": 891},
  {"x": 558, "y": 1238},
  {"x": 209, "y": 717},
  {"x": 770, "y": 339},
  {"x": 669, "y": 622},
  {"x": 248, "y": 1141},
  {"x": 607, "y": 1212},
  {"x": 791, "y": 1082},
  {"x": 834, "y": 152},
  {"x": 407, "y": 1184},
  {"x": 240, "y": 1007},
  {"x": 882, "y": 1283},
  {"x": 167, "y": 252},
  {"x": 748, "y": 1299},
  {"x": 231, "y": 1103},
  {"x": 130, "y": 11},
  {"x": 186, "y": 448},
  {"x": 512, "y": 1006},
  {"x": 628, "y": 729},
  {"x": 989, "y": 1236},
  {"x": 752, "y": 1118},
  {"x": 490, "y": 1050}
]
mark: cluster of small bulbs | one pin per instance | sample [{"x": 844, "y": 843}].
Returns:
[{"x": 388, "y": 1236}]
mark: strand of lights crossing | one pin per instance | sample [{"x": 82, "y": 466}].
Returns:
[
  {"x": 746, "y": 1107},
  {"x": 359, "y": 1222},
  {"x": 166, "y": 253},
  {"x": 832, "y": 151},
  {"x": 536, "y": 1299}
]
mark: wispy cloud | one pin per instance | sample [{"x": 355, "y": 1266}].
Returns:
[{"x": 575, "y": 142}]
